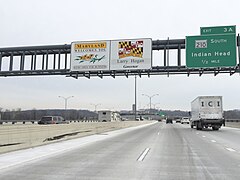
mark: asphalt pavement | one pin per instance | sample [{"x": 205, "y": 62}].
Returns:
[{"x": 154, "y": 151}]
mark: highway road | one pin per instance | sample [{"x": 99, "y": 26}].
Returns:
[{"x": 155, "y": 151}]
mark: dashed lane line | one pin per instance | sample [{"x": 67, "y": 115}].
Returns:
[
  {"x": 143, "y": 155},
  {"x": 231, "y": 150},
  {"x": 227, "y": 148}
]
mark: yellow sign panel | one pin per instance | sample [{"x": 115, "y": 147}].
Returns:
[{"x": 90, "y": 45}]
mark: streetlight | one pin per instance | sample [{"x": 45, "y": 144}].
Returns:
[
  {"x": 65, "y": 99},
  {"x": 135, "y": 109},
  {"x": 95, "y": 105},
  {"x": 150, "y": 98},
  {"x": 0, "y": 114},
  {"x": 154, "y": 105}
]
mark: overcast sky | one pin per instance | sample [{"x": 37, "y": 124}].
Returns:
[{"x": 53, "y": 22}]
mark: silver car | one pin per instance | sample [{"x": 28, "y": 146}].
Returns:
[{"x": 185, "y": 120}]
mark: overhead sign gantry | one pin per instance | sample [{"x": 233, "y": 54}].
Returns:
[{"x": 214, "y": 51}]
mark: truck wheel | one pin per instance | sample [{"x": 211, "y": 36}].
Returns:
[
  {"x": 191, "y": 125},
  {"x": 215, "y": 128},
  {"x": 199, "y": 126}
]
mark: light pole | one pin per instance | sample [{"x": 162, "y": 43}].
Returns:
[
  {"x": 66, "y": 99},
  {"x": 135, "y": 109},
  {"x": 95, "y": 105},
  {"x": 154, "y": 105},
  {"x": 150, "y": 98},
  {"x": 0, "y": 114}
]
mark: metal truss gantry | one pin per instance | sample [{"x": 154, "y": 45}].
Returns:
[{"x": 55, "y": 60}]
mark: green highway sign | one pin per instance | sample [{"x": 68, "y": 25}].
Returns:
[
  {"x": 218, "y": 30},
  {"x": 161, "y": 114},
  {"x": 211, "y": 51}
]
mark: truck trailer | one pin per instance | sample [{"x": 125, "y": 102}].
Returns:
[
  {"x": 108, "y": 116},
  {"x": 207, "y": 111}
]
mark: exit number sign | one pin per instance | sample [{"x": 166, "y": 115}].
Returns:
[{"x": 218, "y": 30}]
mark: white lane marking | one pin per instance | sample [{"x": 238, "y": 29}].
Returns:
[
  {"x": 197, "y": 133},
  {"x": 230, "y": 149},
  {"x": 203, "y": 136},
  {"x": 143, "y": 155},
  {"x": 213, "y": 141},
  {"x": 158, "y": 133}
]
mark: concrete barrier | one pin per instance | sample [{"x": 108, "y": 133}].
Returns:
[
  {"x": 233, "y": 124},
  {"x": 19, "y": 136}
]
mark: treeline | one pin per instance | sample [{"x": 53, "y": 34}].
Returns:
[
  {"x": 176, "y": 113},
  {"x": 72, "y": 114},
  {"x": 34, "y": 114},
  {"x": 231, "y": 114}
]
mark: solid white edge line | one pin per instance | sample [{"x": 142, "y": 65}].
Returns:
[{"x": 143, "y": 155}]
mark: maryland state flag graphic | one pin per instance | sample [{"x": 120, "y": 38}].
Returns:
[{"x": 130, "y": 48}]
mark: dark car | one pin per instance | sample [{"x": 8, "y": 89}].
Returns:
[
  {"x": 178, "y": 120},
  {"x": 51, "y": 120},
  {"x": 169, "y": 121}
]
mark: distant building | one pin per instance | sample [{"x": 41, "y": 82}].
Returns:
[{"x": 108, "y": 116}]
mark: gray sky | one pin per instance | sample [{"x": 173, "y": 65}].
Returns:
[{"x": 52, "y": 22}]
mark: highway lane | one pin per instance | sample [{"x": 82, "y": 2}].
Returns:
[
  {"x": 225, "y": 137},
  {"x": 191, "y": 154},
  {"x": 157, "y": 151}
]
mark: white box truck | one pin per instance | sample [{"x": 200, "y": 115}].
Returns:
[
  {"x": 108, "y": 116},
  {"x": 207, "y": 111}
]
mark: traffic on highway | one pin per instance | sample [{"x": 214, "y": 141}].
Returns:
[{"x": 156, "y": 150}]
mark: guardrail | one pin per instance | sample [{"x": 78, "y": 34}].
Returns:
[
  {"x": 36, "y": 121},
  {"x": 232, "y": 120},
  {"x": 18, "y": 121}
]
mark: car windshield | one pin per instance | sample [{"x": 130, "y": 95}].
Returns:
[{"x": 44, "y": 119}]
